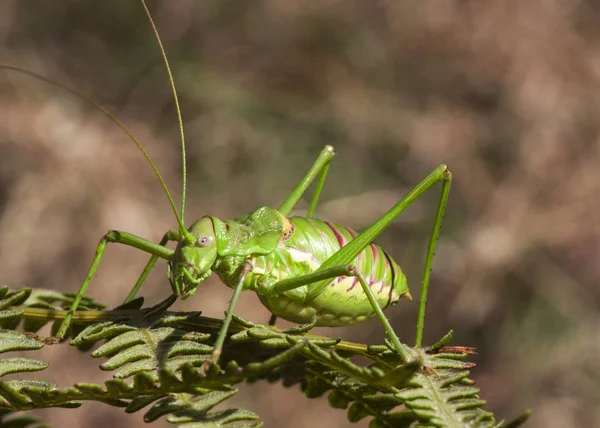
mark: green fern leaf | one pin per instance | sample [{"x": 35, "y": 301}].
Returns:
[{"x": 158, "y": 359}]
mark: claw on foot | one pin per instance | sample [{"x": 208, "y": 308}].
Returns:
[
  {"x": 211, "y": 365},
  {"x": 51, "y": 340},
  {"x": 45, "y": 340},
  {"x": 34, "y": 336}
]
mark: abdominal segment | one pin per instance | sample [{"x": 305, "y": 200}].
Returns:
[{"x": 343, "y": 301}]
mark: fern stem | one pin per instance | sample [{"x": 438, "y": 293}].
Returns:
[{"x": 90, "y": 317}]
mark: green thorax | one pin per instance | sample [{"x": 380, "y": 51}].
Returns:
[
  {"x": 255, "y": 234},
  {"x": 277, "y": 247}
]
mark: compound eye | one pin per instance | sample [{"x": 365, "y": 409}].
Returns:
[{"x": 204, "y": 241}]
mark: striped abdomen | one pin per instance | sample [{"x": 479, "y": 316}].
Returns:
[{"x": 343, "y": 301}]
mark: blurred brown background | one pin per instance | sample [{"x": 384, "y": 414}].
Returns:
[{"x": 505, "y": 92}]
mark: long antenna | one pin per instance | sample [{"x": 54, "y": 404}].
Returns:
[
  {"x": 187, "y": 236},
  {"x": 119, "y": 124}
]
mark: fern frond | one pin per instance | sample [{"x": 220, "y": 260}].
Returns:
[
  {"x": 14, "y": 392},
  {"x": 442, "y": 395},
  {"x": 193, "y": 411},
  {"x": 8, "y": 419},
  {"x": 159, "y": 363}
]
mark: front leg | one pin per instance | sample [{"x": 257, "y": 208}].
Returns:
[{"x": 116, "y": 237}]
